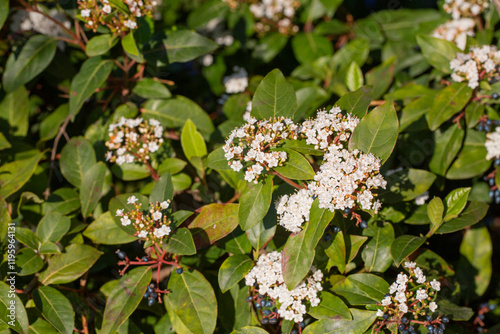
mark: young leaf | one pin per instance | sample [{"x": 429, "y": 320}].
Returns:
[
  {"x": 471, "y": 160},
  {"x": 354, "y": 77},
  {"x": 216, "y": 160},
  {"x": 455, "y": 202},
  {"x": 318, "y": 221},
  {"x": 274, "y": 97},
  {"x": 473, "y": 214},
  {"x": 27, "y": 237},
  {"x": 330, "y": 307},
  {"x": 100, "y": 44},
  {"x": 149, "y": 88},
  {"x": 55, "y": 308},
  {"x": 233, "y": 270},
  {"x": 377, "y": 132},
  {"x": 380, "y": 77},
  {"x": 435, "y": 211},
  {"x": 193, "y": 145},
  {"x": 254, "y": 203}
]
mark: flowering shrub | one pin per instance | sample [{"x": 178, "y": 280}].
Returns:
[{"x": 257, "y": 166}]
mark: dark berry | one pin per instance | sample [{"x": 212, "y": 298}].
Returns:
[
  {"x": 179, "y": 270},
  {"x": 442, "y": 326},
  {"x": 266, "y": 312},
  {"x": 151, "y": 301},
  {"x": 273, "y": 321},
  {"x": 491, "y": 182},
  {"x": 146, "y": 294},
  {"x": 347, "y": 210},
  {"x": 401, "y": 327},
  {"x": 363, "y": 224},
  {"x": 496, "y": 122},
  {"x": 145, "y": 259},
  {"x": 302, "y": 324},
  {"x": 265, "y": 321},
  {"x": 294, "y": 331},
  {"x": 429, "y": 318},
  {"x": 260, "y": 296},
  {"x": 249, "y": 299},
  {"x": 481, "y": 316},
  {"x": 121, "y": 254},
  {"x": 269, "y": 303},
  {"x": 487, "y": 128},
  {"x": 489, "y": 121},
  {"x": 336, "y": 229},
  {"x": 480, "y": 127},
  {"x": 497, "y": 162},
  {"x": 154, "y": 295},
  {"x": 150, "y": 289},
  {"x": 263, "y": 303},
  {"x": 491, "y": 193},
  {"x": 480, "y": 329},
  {"x": 257, "y": 305},
  {"x": 492, "y": 307},
  {"x": 439, "y": 331},
  {"x": 327, "y": 237},
  {"x": 404, "y": 331},
  {"x": 494, "y": 96},
  {"x": 430, "y": 328},
  {"x": 404, "y": 320},
  {"x": 386, "y": 316}
]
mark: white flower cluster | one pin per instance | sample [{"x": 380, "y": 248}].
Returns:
[
  {"x": 400, "y": 293},
  {"x": 477, "y": 64},
  {"x": 236, "y": 82},
  {"x": 133, "y": 140},
  {"x": 420, "y": 199},
  {"x": 465, "y": 8},
  {"x": 493, "y": 144},
  {"x": 268, "y": 275},
  {"x": 275, "y": 15},
  {"x": 255, "y": 139},
  {"x": 456, "y": 31},
  {"x": 247, "y": 115},
  {"x": 294, "y": 210},
  {"x": 153, "y": 226},
  {"x": 32, "y": 21}
]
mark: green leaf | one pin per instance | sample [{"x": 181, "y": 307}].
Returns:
[
  {"x": 471, "y": 160},
  {"x": 475, "y": 267},
  {"x": 330, "y": 307},
  {"x": 15, "y": 109},
  {"x": 250, "y": 330},
  {"x": 172, "y": 165},
  {"x": 455, "y": 202},
  {"x": 473, "y": 113},
  {"x": 296, "y": 166},
  {"x": 377, "y": 253},
  {"x": 274, "y": 97},
  {"x": 92, "y": 188},
  {"x": 193, "y": 145},
  {"x": 4, "y": 143},
  {"x": 407, "y": 184},
  {"x": 357, "y": 102},
  {"x": 435, "y": 211},
  {"x": 361, "y": 321},
  {"x": 63, "y": 200},
  {"x": 163, "y": 189},
  {"x": 270, "y": 46},
  {"x": 41, "y": 326},
  {"x": 91, "y": 76},
  {"x": 27, "y": 237},
  {"x": 100, "y": 44},
  {"x": 344, "y": 248},
  {"x": 125, "y": 298},
  {"x": 186, "y": 45},
  {"x": 354, "y": 77},
  {"x": 52, "y": 227},
  {"x": 12, "y": 311},
  {"x": 318, "y": 221},
  {"x": 447, "y": 144},
  {"x": 233, "y": 270},
  {"x": 362, "y": 289},
  {"x": 193, "y": 301},
  {"x": 167, "y": 112},
  {"x": 261, "y": 233},
  {"x": 414, "y": 110},
  {"x": 120, "y": 203},
  {"x": 67, "y": 267},
  {"x": 77, "y": 157},
  {"x": 377, "y": 132},
  {"x": 14, "y": 175},
  {"x": 4, "y": 11},
  {"x": 28, "y": 262},
  {"x": 55, "y": 308},
  {"x": 447, "y": 308},
  {"x": 254, "y": 203},
  {"x": 51, "y": 125},
  {"x": 149, "y": 88},
  {"x": 130, "y": 46},
  {"x": 34, "y": 57},
  {"x": 297, "y": 260},
  {"x": 437, "y": 51},
  {"x": 49, "y": 247},
  {"x": 473, "y": 214},
  {"x": 213, "y": 222},
  {"x": 130, "y": 172},
  {"x": 180, "y": 243},
  {"x": 404, "y": 246},
  {"x": 216, "y": 160},
  {"x": 380, "y": 77},
  {"x": 204, "y": 13},
  {"x": 307, "y": 47},
  {"x": 104, "y": 231},
  {"x": 448, "y": 102}
]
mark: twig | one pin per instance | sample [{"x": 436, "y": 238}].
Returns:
[{"x": 287, "y": 180}]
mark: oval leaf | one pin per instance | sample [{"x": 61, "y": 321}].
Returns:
[
  {"x": 254, "y": 203},
  {"x": 274, "y": 97},
  {"x": 55, "y": 308},
  {"x": 233, "y": 270},
  {"x": 404, "y": 246}
]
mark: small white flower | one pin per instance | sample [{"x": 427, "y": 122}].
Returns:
[
  {"x": 433, "y": 306},
  {"x": 164, "y": 205},
  {"x": 85, "y": 12},
  {"x": 157, "y": 215},
  {"x": 142, "y": 234},
  {"x": 380, "y": 313},
  {"x": 132, "y": 199},
  {"x": 410, "y": 265},
  {"x": 106, "y": 9},
  {"x": 436, "y": 285},
  {"x": 386, "y": 301},
  {"x": 421, "y": 294},
  {"x": 119, "y": 212},
  {"x": 125, "y": 221},
  {"x": 403, "y": 308}
]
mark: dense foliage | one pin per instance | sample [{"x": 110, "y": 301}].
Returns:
[{"x": 274, "y": 166}]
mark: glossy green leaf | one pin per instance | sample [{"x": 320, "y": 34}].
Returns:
[
  {"x": 34, "y": 57},
  {"x": 404, "y": 246},
  {"x": 233, "y": 270},
  {"x": 473, "y": 113},
  {"x": 41, "y": 326},
  {"x": 131, "y": 48},
  {"x": 274, "y": 97},
  {"x": 270, "y": 46},
  {"x": 356, "y": 50},
  {"x": 448, "y": 102},
  {"x": 91, "y": 76},
  {"x": 377, "y": 253},
  {"x": 193, "y": 145},
  {"x": 180, "y": 242},
  {"x": 92, "y": 186},
  {"x": 250, "y": 330},
  {"x": 4, "y": 11},
  {"x": 186, "y": 45},
  {"x": 163, "y": 189},
  {"x": 14, "y": 109},
  {"x": 318, "y": 221},
  {"x": 193, "y": 301},
  {"x": 361, "y": 321},
  {"x": 67, "y": 267},
  {"x": 105, "y": 231},
  {"x": 260, "y": 234},
  {"x": 63, "y": 201},
  {"x": 435, "y": 211},
  {"x": 125, "y": 298},
  {"x": 4, "y": 143},
  {"x": 55, "y": 308},
  {"x": 437, "y": 51},
  {"x": 344, "y": 249},
  {"x": 28, "y": 262},
  {"x": 100, "y": 44},
  {"x": 77, "y": 157},
  {"x": 380, "y": 77},
  {"x": 214, "y": 221},
  {"x": 49, "y": 247},
  {"x": 472, "y": 214},
  {"x": 52, "y": 227},
  {"x": 216, "y": 160},
  {"x": 254, "y": 203},
  {"x": 27, "y": 237},
  {"x": 296, "y": 166},
  {"x": 415, "y": 110},
  {"x": 455, "y": 202},
  {"x": 149, "y": 88},
  {"x": 297, "y": 260},
  {"x": 362, "y": 289},
  {"x": 50, "y": 125},
  {"x": 172, "y": 165},
  {"x": 357, "y": 102},
  {"x": 14, "y": 175},
  {"x": 471, "y": 160},
  {"x": 167, "y": 112},
  {"x": 181, "y": 181},
  {"x": 130, "y": 172},
  {"x": 354, "y": 77},
  {"x": 458, "y": 313},
  {"x": 330, "y": 307},
  {"x": 202, "y": 15},
  {"x": 377, "y": 132},
  {"x": 12, "y": 311},
  {"x": 406, "y": 184},
  {"x": 447, "y": 144},
  {"x": 307, "y": 47}
]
